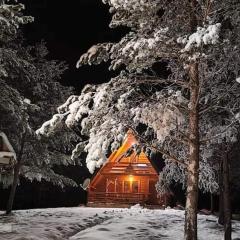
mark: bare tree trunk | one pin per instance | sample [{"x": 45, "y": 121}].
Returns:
[
  {"x": 212, "y": 203},
  {"x": 220, "y": 211},
  {"x": 190, "y": 231},
  {"x": 190, "y": 228},
  {"x": 226, "y": 201},
  {"x": 13, "y": 188},
  {"x": 15, "y": 177}
]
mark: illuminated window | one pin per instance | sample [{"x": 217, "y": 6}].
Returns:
[{"x": 142, "y": 165}]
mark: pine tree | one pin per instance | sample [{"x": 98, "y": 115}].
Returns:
[
  {"x": 11, "y": 18},
  {"x": 30, "y": 92}
]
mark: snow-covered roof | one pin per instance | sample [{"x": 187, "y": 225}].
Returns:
[{"x": 10, "y": 151}]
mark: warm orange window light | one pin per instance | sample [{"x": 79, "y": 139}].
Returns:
[{"x": 130, "y": 177}]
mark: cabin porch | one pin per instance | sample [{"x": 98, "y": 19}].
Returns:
[
  {"x": 124, "y": 189},
  {"x": 130, "y": 198}
]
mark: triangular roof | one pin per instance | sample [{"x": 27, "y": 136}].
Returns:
[
  {"x": 7, "y": 147},
  {"x": 7, "y": 153},
  {"x": 128, "y": 143},
  {"x": 120, "y": 159}
]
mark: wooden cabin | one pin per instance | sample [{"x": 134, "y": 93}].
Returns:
[
  {"x": 126, "y": 178},
  {"x": 7, "y": 153}
]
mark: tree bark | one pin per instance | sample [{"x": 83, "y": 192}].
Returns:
[
  {"x": 226, "y": 201},
  {"x": 212, "y": 203},
  {"x": 220, "y": 211},
  {"x": 190, "y": 230},
  {"x": 13, "y": 188},
  {"x": 15, "y": 177}
]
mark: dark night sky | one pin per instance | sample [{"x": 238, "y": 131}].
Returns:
[{"x": 70, "y": 28}]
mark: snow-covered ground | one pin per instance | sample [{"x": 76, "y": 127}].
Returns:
[{"x": 104, "y": 223}]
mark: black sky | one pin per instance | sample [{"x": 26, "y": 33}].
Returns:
[{"x": 70, "y": 28}]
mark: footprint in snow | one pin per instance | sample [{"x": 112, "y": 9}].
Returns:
[
  {"x": 131, "y": 228},
  {"x": 103, "y": 229}
]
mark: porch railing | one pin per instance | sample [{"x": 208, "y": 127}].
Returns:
[{"x": 112, "y": 197}]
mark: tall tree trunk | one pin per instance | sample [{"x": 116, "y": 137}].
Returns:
[
  {"x": 190, "y": 231},
  {"x": 13, "y": 188},
  {"x": 220, "y": 211},
  {"x": 15, "y": 177},
  {"x": 226, "y": 201},
  {"x": 212, "y": 203}
]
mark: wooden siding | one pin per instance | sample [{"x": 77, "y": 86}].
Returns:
[{"x": 125, "y": 179}]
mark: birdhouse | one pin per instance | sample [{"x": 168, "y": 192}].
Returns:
[{"x": 7, "y": 154}]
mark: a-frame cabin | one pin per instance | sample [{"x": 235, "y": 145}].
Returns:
[{"x": 126, "y": 178}]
